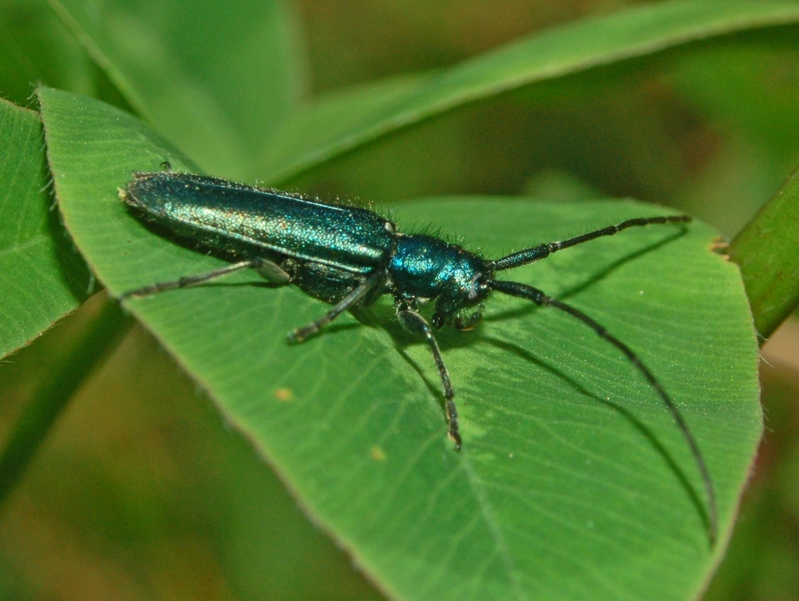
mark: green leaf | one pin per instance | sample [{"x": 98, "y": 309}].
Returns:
[
  {"x": 766, "y": 252},
  {"x": 216, "y": 80},
  {"x": 541, "y": 57},
  {"x": 41, "y": 276},
  {"x": 573, "y": 482}
]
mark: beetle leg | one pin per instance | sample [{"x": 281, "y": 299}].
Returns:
[
  {"x": 414, "y": 322},
  {"x": 273, "y": 273},
  {"x": 468, "y": 321},
  {"x": 262, "y": 265},
  {"x": 350, "y": 300}
]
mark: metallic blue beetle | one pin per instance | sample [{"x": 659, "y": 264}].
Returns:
[{"x": 348, "y": 257}]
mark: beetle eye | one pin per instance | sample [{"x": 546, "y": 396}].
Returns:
[{"x": 476, "y": 287}]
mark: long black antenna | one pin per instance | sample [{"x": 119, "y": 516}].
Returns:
[
  {"x": 542, "y": 251},
  {"x": 538, "y": 297}
]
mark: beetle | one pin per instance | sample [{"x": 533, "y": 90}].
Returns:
[{"x": 349, "y": 256}]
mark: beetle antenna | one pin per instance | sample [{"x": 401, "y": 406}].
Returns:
[
  {"x": 539, "y": 298},
  {"x": 542, "y": 251}
]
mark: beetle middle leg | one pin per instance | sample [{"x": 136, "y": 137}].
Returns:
[
  {"x": 351, "y": 299},
  {"x": 414, "y": 322}
]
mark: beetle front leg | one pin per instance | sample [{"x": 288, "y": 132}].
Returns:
[
  {"x": 468, "y": 321},
  {"x": 414, "y": 322}
]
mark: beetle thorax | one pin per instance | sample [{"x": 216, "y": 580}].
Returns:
[{"x": 424, "y": 267}]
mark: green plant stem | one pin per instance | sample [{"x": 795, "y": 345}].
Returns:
[
  {"x": 766, "y": 252},
  {"x": 96, "y": 342}
]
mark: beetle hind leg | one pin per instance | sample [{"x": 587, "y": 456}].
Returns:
[{"x": 267, "y": 269}]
